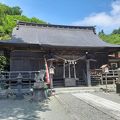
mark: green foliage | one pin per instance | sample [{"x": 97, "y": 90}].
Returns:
[
  {"x": 36, "y": 20},
  {"x": 16, "y": 10},
  {"x": 116, "y": 31},
  {"x": 101, "y": 33},
  {"x": 8, "y": 18},
  {"x": 3, "y": 62},
  {"x": 6, "y": 10},
  {"x": 5, "y": 37},
  {"x": 112, "y": 38}
]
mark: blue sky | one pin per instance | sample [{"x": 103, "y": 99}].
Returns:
[{"x": 105, "y": 14}]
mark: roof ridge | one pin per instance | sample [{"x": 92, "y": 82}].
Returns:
[{"x": 55, "y": 26}]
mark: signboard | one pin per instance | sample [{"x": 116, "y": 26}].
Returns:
[
  {"x": 51, "y": 70},
  {"x": 106, "y": 70}
]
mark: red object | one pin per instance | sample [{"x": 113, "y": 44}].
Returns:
[{"x": 47, "y": 73}]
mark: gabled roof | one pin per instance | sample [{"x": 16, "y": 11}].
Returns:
[{"x": 57, "y": 35}]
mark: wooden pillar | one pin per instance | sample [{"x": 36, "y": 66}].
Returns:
[
  {"x": 74, "y": 70},
  {"x": 64, "y": 69},
  {"x": 51, "y": 75},
  {"x": 101, "y": 78},
  {"x": 51, "y": 81},
  {"x": 88, "y": 72},
  {"x": 69, "y": 69}
]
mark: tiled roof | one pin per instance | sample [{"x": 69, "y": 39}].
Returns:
[{"x": 57, "y": 35}]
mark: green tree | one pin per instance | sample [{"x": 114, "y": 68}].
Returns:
[
  {"x": 36, "y": 20},
  {"x": 16, "y": 10},
  {"x": 8, "y": 18},
  {"x": 112, "y": 38},
  {"x": 101, "y": 33},
  {"x": 3, "y": 62},
  {"x": 116, "y": 31},
  {"x": 1, "y": 31}
]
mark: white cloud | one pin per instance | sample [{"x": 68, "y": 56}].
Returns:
[
  {"x": 115, "y": 8},
  {"x": 104, "y": 20}
]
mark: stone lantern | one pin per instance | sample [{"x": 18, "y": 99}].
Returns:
[{"x": 19, "y": 94}]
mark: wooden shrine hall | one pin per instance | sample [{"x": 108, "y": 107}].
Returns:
[{"x": 71, "y": 50}]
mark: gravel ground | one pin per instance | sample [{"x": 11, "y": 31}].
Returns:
[
  {"x": 81, "y": 110},
  {"x": 51, "y": 109}
]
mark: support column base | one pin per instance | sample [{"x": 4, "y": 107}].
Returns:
[{"x": 70, "y": 82}]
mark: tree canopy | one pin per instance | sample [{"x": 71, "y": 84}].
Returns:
[
  {"x": 8, "y": 18},
  {"x": 113, "y": 38}
]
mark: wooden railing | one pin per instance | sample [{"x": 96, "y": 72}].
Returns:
[
  {"x": 9, "y": 79},
  {"x": 14, "y": 74},
  {"x": 99, "y": 77}
]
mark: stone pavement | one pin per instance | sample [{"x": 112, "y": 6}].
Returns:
[
  {"x": 106, "y": 106},
  {"x": 109, "y": 96},
  {"x": 91, "y": 105},
  {"x": 57, "y": 111}
]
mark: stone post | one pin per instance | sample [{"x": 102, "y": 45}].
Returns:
[{"x": 19, "y": 94}]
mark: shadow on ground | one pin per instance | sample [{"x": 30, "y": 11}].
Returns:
[{"x": 22, "y": 109}]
